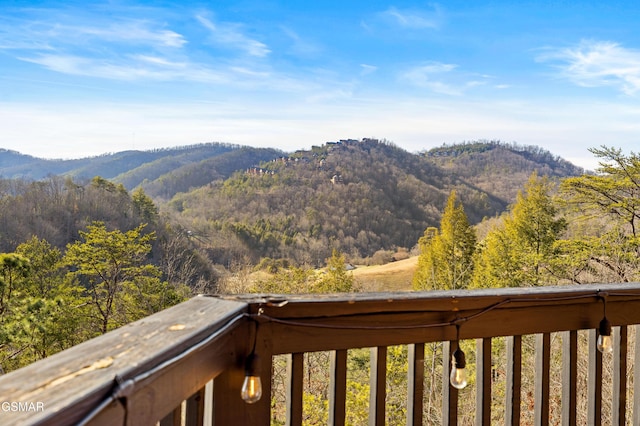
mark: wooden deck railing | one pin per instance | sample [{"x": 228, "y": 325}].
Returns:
[{"x": 158, "y": 369}]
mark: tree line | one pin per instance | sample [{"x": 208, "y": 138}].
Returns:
[{"x": 584, "y": 230}]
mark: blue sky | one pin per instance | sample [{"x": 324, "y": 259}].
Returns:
[{"x": 84, "y": 78}]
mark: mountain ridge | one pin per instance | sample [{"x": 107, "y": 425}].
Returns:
[{"x": 358, "y": 196}]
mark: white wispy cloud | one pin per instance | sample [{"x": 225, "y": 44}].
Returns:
[
  {"x": 598, "y": 64},
  {"x": 366, "y": 69},
  {"x": 299, "y": 45},
  {"x": 135, "y": 32},
  {"x": 436, "y": 77},
  {"x": 85, "y": 43},
  {"x": 127, "y": 48},
  {"x": 230, "y": 35},
  {"x": 49, "y": 34},
  {"x": 160, "y": 61},
  {"x": 414, "y": 18},
  {"x": 128, "y": 69}
]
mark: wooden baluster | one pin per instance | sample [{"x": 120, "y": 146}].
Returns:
[
  {"x": 514, "y": 380},
  {"x": 378, "y": 386},
  {"x": 619, "y": 403},
  {"x": 569, "y": 377},
  {"x": 594, "y": 383},
  {"x": 483, "y": 382},
  {"x": 636, "y": 377},
  {"x": 449, "y": 393},
  {"x": 338, "y": 389},
  {"x": 194, "y": 412},
  {"x": 415, "y": 387},
  {"x": 295, "y": 378},
  {"x": 174, "y": 418},
  {"x": 543, "y": 362}
]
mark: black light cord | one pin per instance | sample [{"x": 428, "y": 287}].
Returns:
[{"x": 301, "y": 323}]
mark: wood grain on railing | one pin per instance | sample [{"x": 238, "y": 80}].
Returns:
[{"x": 72, "y": 383}]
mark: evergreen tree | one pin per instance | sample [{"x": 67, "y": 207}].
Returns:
[
  {"x": 446, "y": 257},
  {"x": 42, "y": 314},
  {"x": 111, "y": 266},
  {"x": 614, "y": 191},
  {"x": 336, "y": 279},
  {"x": 519, "y": 253},
  {"x": 143, "y": 205}
]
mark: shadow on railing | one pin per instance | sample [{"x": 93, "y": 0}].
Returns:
[{"x": 186, "y": 365}]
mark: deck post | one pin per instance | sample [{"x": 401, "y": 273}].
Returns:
[
  {"x": 514, "y": 381},
  {"x": 295, "y": 376},
  {"x": 594, "y": 383},
  {"x": 543, "y": 358}
]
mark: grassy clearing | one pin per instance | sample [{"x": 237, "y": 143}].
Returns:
[{"x": 394, "y": 276}]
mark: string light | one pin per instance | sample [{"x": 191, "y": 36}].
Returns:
[
  {"x": 458, "y": 377},
  {"x": 251, "y": 390},
  {"x": 604, "y": 342}
]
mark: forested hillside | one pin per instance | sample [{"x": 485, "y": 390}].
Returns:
[
  {"x": 58, "y": 209},
  {"x": 499, "y": 168},
  {"x": 242, "y": 204},
  {"x": 359, "y": 197},
  {"x": 160, "y": 179}
]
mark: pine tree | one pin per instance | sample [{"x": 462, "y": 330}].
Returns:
[
  {"x": 112, "y": 266},
  {"x": 42, "y": 314},
  {"x": 446, "y": 257},
  {"x": 519, "y": 253}
]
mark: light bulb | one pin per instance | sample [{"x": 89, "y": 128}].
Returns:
[
  {"x": 251, "y": 390},
  {"x": 604, "y": 342},
  {"x": 458, "y": 377}
]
